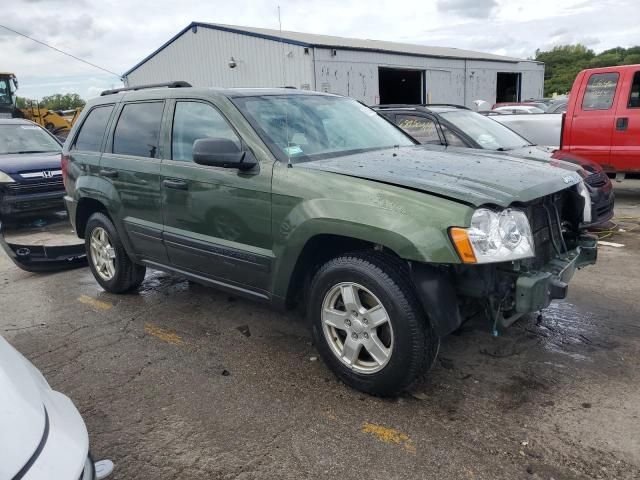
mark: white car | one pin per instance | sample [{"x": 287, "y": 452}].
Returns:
[
  {"x": 42, "y": 435},
  {"x": 518, "y": 109}
]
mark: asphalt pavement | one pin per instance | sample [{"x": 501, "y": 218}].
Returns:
[{"x": 180, "y": 381}]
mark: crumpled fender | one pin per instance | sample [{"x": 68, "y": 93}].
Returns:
[{"x": 44, "y": 258}]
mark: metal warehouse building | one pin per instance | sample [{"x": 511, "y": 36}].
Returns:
[{"x": 372, "y": 71}]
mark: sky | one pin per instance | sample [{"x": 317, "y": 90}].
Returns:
[{"x": 116, "y": 34}]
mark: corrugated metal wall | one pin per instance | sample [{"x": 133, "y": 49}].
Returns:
[
  {"x": 355, "y": 73},
  {"x": 202, "y": 58}
]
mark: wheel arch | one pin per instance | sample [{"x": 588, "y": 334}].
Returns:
[{"x": 87, "y": 206}]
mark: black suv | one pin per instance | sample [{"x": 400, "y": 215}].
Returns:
[{"x": 459, "y": 127}]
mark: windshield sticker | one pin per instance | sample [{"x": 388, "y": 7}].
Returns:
[
  {"x": 29, "y": 127},
  {"x": 293, "y": 150}
]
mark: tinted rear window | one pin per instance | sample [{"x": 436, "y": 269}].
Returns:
[
  {"x": 90, "y": 136},
  {"x": 138, "y": 129}
]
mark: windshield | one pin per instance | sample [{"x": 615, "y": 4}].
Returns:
[
  {"x": 26, "y": 139},
  {"x": 486, "y": 132},
  {"x": 5, "y": 92},
  {"x": 308, "y": 127}
]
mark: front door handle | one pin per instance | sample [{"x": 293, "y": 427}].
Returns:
[
  {"x": 176, "y": 184},
  {"x": 107, "y": 172},
  {"x": 622, "y": 123}
]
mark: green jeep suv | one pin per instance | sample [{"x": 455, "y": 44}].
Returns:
[{"x": 290, "y": 196}]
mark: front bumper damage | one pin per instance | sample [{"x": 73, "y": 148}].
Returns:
[
  {"x": 535, "y": 290},
  {"x": 505, "y": 292},
  {"x": 44, "y": 258}
]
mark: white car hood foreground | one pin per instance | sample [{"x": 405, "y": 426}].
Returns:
[
  {"x": 22, "y": 417},
  {"x": 38, "y": 426}
]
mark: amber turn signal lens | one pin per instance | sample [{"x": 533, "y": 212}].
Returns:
[{"x": 463, "y": 245}]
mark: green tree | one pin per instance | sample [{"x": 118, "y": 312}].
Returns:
[
  {"x": 58, "y": 101},
  {"x": 22, "y": 102},
  {"x": 563, "y": 63}
]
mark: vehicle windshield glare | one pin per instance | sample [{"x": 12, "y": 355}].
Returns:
[
  {"x": 307, "y": 127},
  {"x": 23, "y": 138},
  {"x": 487, "y": 133}
]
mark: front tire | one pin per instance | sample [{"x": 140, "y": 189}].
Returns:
[
  {"x": 368, "y": 324},
  {"x": 108, "y": 260}
]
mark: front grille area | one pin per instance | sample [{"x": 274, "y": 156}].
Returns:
[
  {"x": 35, "y": 187},
  {"x": 547, "y": 233},
  {"x": 597, "y": 179}
]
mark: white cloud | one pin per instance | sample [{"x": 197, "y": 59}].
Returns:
[{"x": 116, "y": 34}]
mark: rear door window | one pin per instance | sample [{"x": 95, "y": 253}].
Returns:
[
  {"x": 423, "y": 129},
  {"x": 600, "y": 91},
  {"x": 634, "y": 94},
  {"x": 138, "y": 130},
  {"x": 89, "y": 138},
  {"x": 193, "y": 121}
]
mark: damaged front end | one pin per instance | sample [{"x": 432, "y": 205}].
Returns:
[
  {"x": 44, "y": 258},
  {"x": 509, "y": 290}
]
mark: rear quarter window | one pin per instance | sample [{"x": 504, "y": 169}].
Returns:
[
  {"x": 600, "y": 91},
  {"x": 92, "y": 130},
  {"x": 138, "y": 130}
]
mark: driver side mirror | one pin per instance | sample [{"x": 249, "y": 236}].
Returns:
[{"x": 222, "y": 152}]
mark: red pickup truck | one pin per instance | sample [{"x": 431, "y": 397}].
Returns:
[{"x": 602, "y": 122}]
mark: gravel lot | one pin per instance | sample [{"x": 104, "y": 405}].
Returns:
[{"x": 180, "y": 381}]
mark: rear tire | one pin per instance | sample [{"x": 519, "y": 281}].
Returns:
[
  {"x": 108, "y": 260},
  {"x": 368, "y": 324}
]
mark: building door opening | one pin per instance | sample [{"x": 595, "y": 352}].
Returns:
[
  {"x": 399, "y": 85},
  {"x": 508, "y": 87}
]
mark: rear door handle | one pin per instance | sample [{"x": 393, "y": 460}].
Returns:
[
  {"x": 176, "y": 184},
  {"x": 622, "y": 123},
  {"x": 106, "y": 172}
]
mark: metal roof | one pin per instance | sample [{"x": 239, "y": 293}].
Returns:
[{"x": 328, "y": 41}]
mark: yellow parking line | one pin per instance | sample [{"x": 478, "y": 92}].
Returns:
[
  {"x": 164, "y": 335},
  {"x": 97, "y": 304},
  {"x": 389, "y": 435}
]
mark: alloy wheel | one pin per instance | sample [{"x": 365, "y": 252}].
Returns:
[
  {"x": 103, "y": 254},
  {"x": 357, "y": 327}
]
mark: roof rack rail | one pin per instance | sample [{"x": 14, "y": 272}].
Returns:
[
  {"x": 453, "y": 105},
  {"x": 176, "y": 84},
  {"x": 422, "y": 105},
  {"x": 396, "y": 105}
]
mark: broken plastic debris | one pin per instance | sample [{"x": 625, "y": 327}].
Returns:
[{"x": 610, "y": 244}]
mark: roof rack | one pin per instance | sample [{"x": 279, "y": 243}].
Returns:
[
  {"x": 424, "y": 105},
  {"x": 177, "y": 84},
  {"x": 452, "y": 105}
]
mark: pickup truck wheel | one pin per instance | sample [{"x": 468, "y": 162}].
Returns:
[
  {"x": 108, "y": 260},
  {"x": 368, "y": 324}
]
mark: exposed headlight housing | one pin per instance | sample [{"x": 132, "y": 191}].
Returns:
[
  {"x": 4, "y": 178},
  {"x": 494, "y": 236},
  {"x": 586, "y": 196}
]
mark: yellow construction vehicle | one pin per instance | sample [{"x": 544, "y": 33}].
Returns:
[{"x": 52, "y": 121}]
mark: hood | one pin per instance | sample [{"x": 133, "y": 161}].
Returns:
[
  {"x": 544, "y": 155},
  {"x": 22, "y": 417},
  {"x": 12, "y": 164},
  {"x": 469, "y": 177}
]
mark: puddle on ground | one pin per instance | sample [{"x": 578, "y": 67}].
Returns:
[
  {"x": 563, "y": 328},
  {"x": 157, "y": 282}
]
